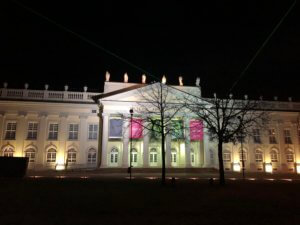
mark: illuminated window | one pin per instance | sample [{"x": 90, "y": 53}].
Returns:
[
  {"x": 73, "y": 131},
  {"x": 71, "y": 156},
  {"x": 256, "y": 136},
  {"x": 53, "y": 131},
  {"x": 258, "y": 156},
  {"x": 243, "y": 155},
  {"x": 32, "y": 130},
  {"x": 114, "y": 155},
  {"x": 192, "y": 156},
  {"x": 10, "y": 133},
  {"x": 287, "y": 136},
  {"x": 289, "y": 156},
  {"x": 51, "y": 155},
  {"x": 227, "y": 156},
  {"x": 30, "y": 153},
  {"x": 173, "y": 156},
  {"x": 8, "y": 152},
  {"x": 93, "y": 132},
  {"x": 92, "y": 156},
  {"x": 153, "y": 155},
  {"x": 272, "y": 136},
  {"x": 211, "y": 156},
  {"x": 274, "y": 155},
  {"x": 134, "y": 155}
]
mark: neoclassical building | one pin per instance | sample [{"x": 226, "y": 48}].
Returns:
[{"x": 63, "y": 129}]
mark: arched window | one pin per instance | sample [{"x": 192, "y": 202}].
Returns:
[
  {"x": 133, "y": 155},
  {"x": 227, "y": 156},
  {"x": 274, "y": 155},
  {"x": 114, "y": 156},
  {"x": 192, "y": 156},
  {"x": 173, "y": 155},
  {"x": 71, "y": 156},
  {"x": 153, "y": 155},
  {"x": 92, "y": 156},
  {"x": 8, "y": 152},
  {"x": 243, "y": 155},
  {"x": 258, "y": 156},
  {"x": 51, "y": 155},
  {"x": 30, "y": 153},
  {"x": 289, "y": 155}
]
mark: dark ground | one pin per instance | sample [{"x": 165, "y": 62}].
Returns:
[{"x": 115, "y": 200}]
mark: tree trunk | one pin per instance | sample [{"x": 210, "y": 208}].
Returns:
[
  {"x": 163, "y": 164},
  {"x": 221, "y": 165}
]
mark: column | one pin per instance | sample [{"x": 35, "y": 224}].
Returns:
[
  {"x": 295, "y": 140},
  {"x": 204, "y": 155},
  {"x": 20, "y": 134},
  {"x": 61, "y": 156},
  {"x": 2, "y": 128},
  {"x": 168, "y": 151},
  {"x": 104, "y": 140},
  {"x": 42, "y": 137},
  {"x": 82, "y": 154},
  {"x": 187, "y": 143},
  {"x": 281, "y": 144},
  {"x": 126, "y": 127},
  {"x": 145, "y": 149}
]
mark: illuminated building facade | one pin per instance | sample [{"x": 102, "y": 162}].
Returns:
[{"x": 63, "y": 129}]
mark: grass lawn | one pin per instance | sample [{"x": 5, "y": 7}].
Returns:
[{"x": 119, "y": 201}]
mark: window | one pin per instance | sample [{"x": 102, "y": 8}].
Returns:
[
  {"x": 274, "y": 156},
  {"x": 289, "y": 156},
  {"x": 92, "y": 156},
  {"x": 211, "y": 156},
  {"x": 8, "y": 152},
  {"x": 51, "y": 156},
  {"x": 258, "y": 156},
  {"x": 73, "y": 131},
  {"x": 71, "y": 156},
  {"x": 256, "y": 136},
  {"x": 93, "y": 132},
  {"x": 32, "y": 130},
  {"x": 114, "y": 156},
  {"x": 10, "y": 133},
  {"x": 173, "y": 156},
  {"x": 227, "y": 156},
  {"x": 192, "y": 156},
  {"x": 134, "y": 155},
  {"x": 287, "y": 136},
  {"x": 53, "y": 131},
  {"x": 153, "y": 155},
  {"x": 243, "y": 155},
  {"x": 272, "y": 136},
  {"x": 30, "y": 153},
  {"x": 115, "y": 128}
]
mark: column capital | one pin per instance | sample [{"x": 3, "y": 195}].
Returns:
[
  {"x": 83, "y": 116},
  {"x": 43, "y": 114},
  {"x": 63, "y": 115}
]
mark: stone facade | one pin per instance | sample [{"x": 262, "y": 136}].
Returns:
[{"x": 61, "y": 129}]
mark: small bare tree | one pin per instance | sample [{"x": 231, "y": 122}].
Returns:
[
  {"x": 157, "y": 108},
  {"x": 226, "y": 119}
]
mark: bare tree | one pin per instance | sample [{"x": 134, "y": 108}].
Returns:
[
  {"x": 226, "y": 119},
  {"x": 157, "y": 109}
]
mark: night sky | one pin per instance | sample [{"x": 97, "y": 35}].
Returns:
[{"x": 214, "y": 41}]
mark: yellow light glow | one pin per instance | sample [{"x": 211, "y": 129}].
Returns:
[
  {"x": 60, "y": 167},
  {"x": 60, "y": 159},
  {"x": 298, "y": 168},
  {"x": 268, "y": 168},
  {"x": 236, "y": 167}
]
